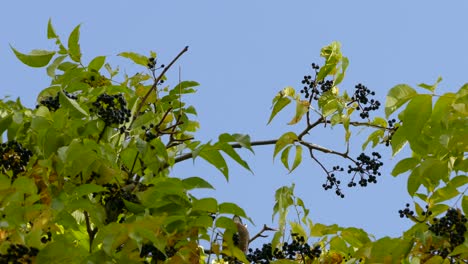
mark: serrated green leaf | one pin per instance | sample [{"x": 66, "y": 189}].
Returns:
[
  {"x": 404, "y": 165},
  {"x": 135, "y": 57},
  {"x": 226, "y": 223},
  {"x": 398, "y": 96},
  {"x": 37, "y": 58},
  {"x": 97, "y": 63},
  {"x": 286, "y": 139},
  {"x": 74, "y": 49}
]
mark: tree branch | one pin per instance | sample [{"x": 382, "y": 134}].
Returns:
[
  {"x": 91, "y": 231},
  {"x": 260, "y": 234}
]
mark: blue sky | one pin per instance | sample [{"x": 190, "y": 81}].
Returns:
[{"x": 242, "y": 53}]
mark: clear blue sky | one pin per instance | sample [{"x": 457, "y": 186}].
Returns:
[{"x": 242, "y": 53}]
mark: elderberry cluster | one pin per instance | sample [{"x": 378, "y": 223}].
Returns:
[
  {"x": 114, "y": 201},
  {"x": 53, "y": 103},
  {"x": 361, "y": 96},
  {"x": 19, "y": 254},
  {"x": 112, "y": 109},
  {"x": 451, "y": 226},
  {"x": 297, "y": 249},
  {"x": 149, "y": 135},
  {"x": 366, "y": 165},
  {"x": 407, "y": 212},
  {"x": 311, "y": 85},
  {"x": 14, "y": 157},
  {"x": 333, "y": 182}
]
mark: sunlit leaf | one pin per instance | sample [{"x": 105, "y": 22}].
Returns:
[
  {"x": 398, "y": 96},
  {"x": 135, "y": 57},
  {"x": 74, "y": 49},
  {"x": 37, "y": 58},
  {"x": 286, "y": 139}
]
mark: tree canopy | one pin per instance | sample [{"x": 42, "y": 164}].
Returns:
[{"x": 85, "y": 176}]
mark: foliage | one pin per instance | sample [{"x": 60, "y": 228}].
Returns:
[{"x": 85, "y": 177}]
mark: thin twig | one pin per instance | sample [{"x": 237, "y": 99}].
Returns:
[{"x": 155, "y": 84}]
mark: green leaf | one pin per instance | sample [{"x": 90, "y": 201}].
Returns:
[
  {"x": 73, "y": 45},
  {"x": 196, "y": 183},
  {"x": 375, "y": 137},
  {"x": 318, "y": 230},
  {"x": 397, "y": 96},
  {"x": 404, "y": 165},
  {"x": 279, "y": 104},
  {"x": 459, "y": 181},
  {"x": 297, "y": 158},
  {"x": 72, "y": 105},
  {"x": 24, "y": 185},
  {"x": 417, "y": 113},
  {"x": 355, "y": 237},
  {"x": 445, "y": 193},
  {"x": 286, "y": 139},
  {"x": 212, "y": 155},
  {"x": 228, "y": 149},
  {"x": 135, "y": 57},
  {"x": 414, "y": 181},
  {"x": 37, "y": 58},
  {"x": 465, "y": 204},
  {"x": 226, "y": 223},
  {"x": 431, "y": 87},
  {"x": 399, "y": 140},
  {"x": 87, "y": 188},
  {"x": 298, "y": 229},
  {"x": 285, "y": 157},
  {"x": 339, "y": 77},
  {"x": 232, "y": 208},
  {"x": 97, "y": 63},
  {"x": 53, "y": 66},
  {"x": 205, "y": 204},
  {"x": 51, "y": 31}
]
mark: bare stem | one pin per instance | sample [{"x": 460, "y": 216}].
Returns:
[{"x": 91, "y": 231}]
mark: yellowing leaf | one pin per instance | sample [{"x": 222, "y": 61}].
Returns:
[{"x": 302, "y": 106}]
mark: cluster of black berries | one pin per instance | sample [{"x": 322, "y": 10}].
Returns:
[
  {"x": 52, "y": 102},
  {"x": 149, "y": 135},
  {"x": 407, "y": 212},
  {"x": 112, "y": 109},
  {"x": 361, "y": 96},
  {"x": 152, "y": 64},
  {"x": 19, "y": 254},
  {"x": 114, "y": 201},
  {"x": 297, "y": 249},
  {"x": 451, "y": 226},
  {"x": 310, "y": 89},
  {"x": 366, "y": 165},
  {"x": 333, "y": 182},
  {"x": 391, "y": 128},
  {"x": 14, "y": 157}
]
